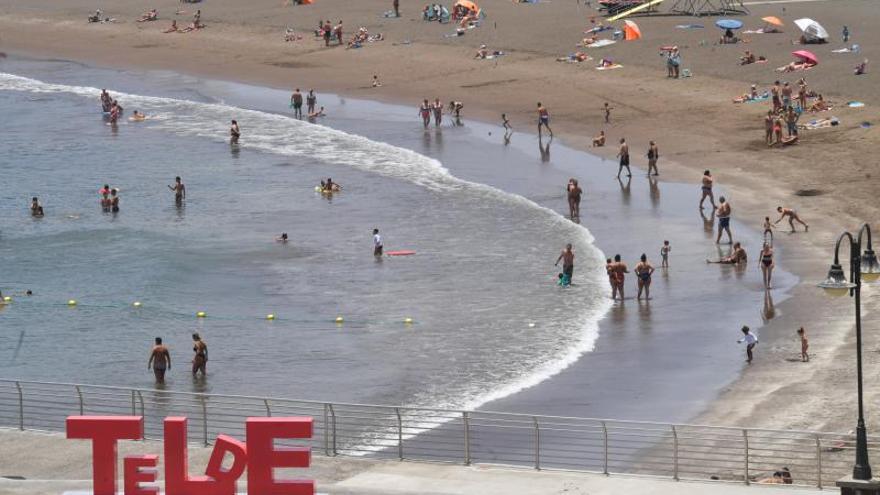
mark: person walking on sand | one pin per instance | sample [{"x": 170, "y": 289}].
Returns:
[
  {"x": 623, "y": 154},
  {"x": 543, "y": 119},
  {"x": 767, "y": 264},
  {"x": 707, "y": 183},
  {"x": 750, "y": 340},
  {"x": 644, "y": 270},
  {"x": 567, "y": 258},
  {"x": 768, "y": 127},
  {"x": 425, "y": 113},
  {"x": 574, "y": 199},
  {"x": 311, "y": 102},
  {"x": 234, "y": 133},
  {"x": 664, "y": 254},
  {"x": 200, "y": 356},
  {"x": 328, "y": 32},
  {"x": 296, "y": 101},
  {"x": 506, "y": 124},
  {"x": 653, "y": 155},
  {"x": 377, "y": 243},
  {"x": 160, "y": 360},
  {"x": 723, "y": 213},
  {"x": 607, "y": 109},
  {"x": 179, "y": 191},
  {"x": 805, "y": 344},
  {"x": 792, "y": 218}
]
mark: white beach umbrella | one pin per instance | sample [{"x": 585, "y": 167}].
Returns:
[{"x": 812, "y": 29}]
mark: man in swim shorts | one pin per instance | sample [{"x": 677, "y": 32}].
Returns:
[
  {"x": 792, "y": 218},
  {"x": 377, "y": 243},
  {"x": 723, "y": 212},
  {"x": 160, "y": 360},
  {"x": 179, "y": 191},
  {"x": 623, "y": 154},
  {"x": 574, "y": 199},
  {"x": 296, "y": 101},
  {"x": 567, "y": 257},
  {"x": 543, "y": 119}
]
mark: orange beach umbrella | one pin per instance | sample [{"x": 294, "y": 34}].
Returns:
[
  {"x": 772, "y": 20},
  {"x": 468, "y": 4},
  {"x": 631, "y": 31}
]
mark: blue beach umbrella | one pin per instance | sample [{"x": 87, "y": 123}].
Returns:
[{"x": 729, "y": 23}]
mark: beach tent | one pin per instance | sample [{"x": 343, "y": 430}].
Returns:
[
  {"x": 772, "y": 20},
  {"x": 806, "y": 56},
  {"x": 813, "y": 31},
  {"x": 631, "y": 31}
]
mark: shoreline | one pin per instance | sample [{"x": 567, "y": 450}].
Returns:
[{"x": 761, "y": 385}]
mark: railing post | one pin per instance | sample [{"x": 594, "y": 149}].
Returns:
[
  {"x": 537, "y": 443},
  {"x": 143, "y": 415},
  {"x": 81, "y": 405},
  {"x": 746, "y": 445},
  {"x": 268, "y": 409},
  {"x": 605, "y": 447},
  {"x": 333, "y": 427},
  {"x": 327, "y": 430},
  {"x": 466, "y": 424},
  {"x": 674, "y": 453},
  {"x": 399, "y": 434},
  {"x": 133, "y": 410},
  {"x": 20, "y": 406},
  {"x": 818, "y": 462},
  {"x": 204, "y": 419}
]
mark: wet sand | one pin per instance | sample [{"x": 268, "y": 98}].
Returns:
[{"x": 691, "y": 119}]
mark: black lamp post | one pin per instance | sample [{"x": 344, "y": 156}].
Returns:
[{"x": 862, "y": 266}]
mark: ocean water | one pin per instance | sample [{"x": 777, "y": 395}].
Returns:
[{"x": 488, "y": 318}]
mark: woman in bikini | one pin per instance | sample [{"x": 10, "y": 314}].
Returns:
[
  {"x": 425, "y": 112},
  {"x": 438, "y": 112},
  {"x": 708, "y": 181},
  {"x": 200, "y": 359},
  {"x": 644, "y": 270},
  {"x": 114, "y": 200},
  {"x": 767, "y": 264}
]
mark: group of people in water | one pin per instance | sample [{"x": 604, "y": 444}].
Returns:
[
  {"x": 160, "y": 358},
  {"x": 427, "y": 110}
]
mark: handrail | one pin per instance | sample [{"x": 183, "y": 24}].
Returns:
[{"x": 673, "y": 451}]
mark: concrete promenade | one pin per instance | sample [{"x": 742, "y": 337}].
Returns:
[{"x": 41, "y": 464}]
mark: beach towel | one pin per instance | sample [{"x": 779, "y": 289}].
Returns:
[
  {"x": 689, "y": 26},
  {"x": 599, "y": 44},
  {"x": 855, "y": 104},
  {"x": 610, "y": 67}
]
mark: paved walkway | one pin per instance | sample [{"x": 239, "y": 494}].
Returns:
[{"x": 51, "y": 464}]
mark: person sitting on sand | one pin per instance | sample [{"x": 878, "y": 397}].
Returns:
[
  {"x": 482, "y": 53},
  {"x": 152, "y": 15},
  {"x": 729, "y": 37},
  {"x": 861, "y": 68},
  {"x": 747, "y": 58},
  {"x": 819, "y": 105},
  {"x": 736, "y": 256},
  {"x": 319, "y": 113},
  {"x": 173, "y": 28},
  {"x": 137, "y": 117},
  {"x": 290, "y": 35},
  {"x": 599, "y": 140},
  {"x": 96, "y": 17}
]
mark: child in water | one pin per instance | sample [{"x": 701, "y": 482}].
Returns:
[
  {"x": 664, "y": 254},
  {"x": 564, "y": 280},
  {"x": 805, "y": 344}
]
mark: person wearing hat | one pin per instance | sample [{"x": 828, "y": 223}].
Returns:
[{"x": 482, "y": 52}]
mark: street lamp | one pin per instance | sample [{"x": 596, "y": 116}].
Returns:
[{"x": 862, "y": 266}]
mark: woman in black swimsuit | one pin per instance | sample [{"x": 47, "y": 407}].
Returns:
[
  {"x": 200, "y": 360},
  {"x": 644, "y": 270},
  {"x": 767, "y": 264}
]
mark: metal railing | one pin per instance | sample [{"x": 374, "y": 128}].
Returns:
[{"x": 679, "y": 452}]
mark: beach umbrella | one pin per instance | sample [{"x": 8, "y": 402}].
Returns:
[
  {"x": 468, "y": 4},
  {"x": 631, "y": 31},
  {"x": 806, "y": 56},
  {"x": 729, "y": 23},
  {"x": 775, "y": 21},
  {"x": 812, "y": 29}
]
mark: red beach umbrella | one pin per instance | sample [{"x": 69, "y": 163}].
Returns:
[{"x": 807, "y": 56}]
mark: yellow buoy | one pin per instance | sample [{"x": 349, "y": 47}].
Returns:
[
  {"x": 201, "y": 314},
  {"x": 339, "y": 319},
  {"x": 408, "y": 321},
  {"x": 317, "y": 188},
  {"x": 71, "y": 302},
  {"x": 136, "y": 304},
  {"x": 7, "y": 299},
  {"x": 270, "y": 317}
]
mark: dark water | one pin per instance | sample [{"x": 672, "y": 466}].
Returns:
[{"x": 489, "y": 321}]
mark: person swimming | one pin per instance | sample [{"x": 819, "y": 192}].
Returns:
[
  {"x": 330, "y": 186},
  {"x": 282, "y": 238},
  {"x": 137, "y": 117},
  {"x": 36, "y": 207},
  {"x": 106, "y": 203},
  {"x": 114, "y": 200}
]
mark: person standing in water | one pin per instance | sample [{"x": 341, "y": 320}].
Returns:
[
  {"x": 653, "y": 155},
  {"x": 234, "y": 133},
  {"x": 200, "y": 357},
  {"x": 438, "y": 112},
  {"x": 377, "y": 243},
  {"x": 805, "y": 344},
  {"x": 296, "y": 101},
  {"x": 644, "y": 270},
  {"x": 36, "y": 207},
  {"x": 506, "y": 123},
  {"x": 425, "y": 113},
  {"x": 723, "y": 212},
  {"x": 114, "y": 200},
  {"x": 567, "y": 258},
  {"x": 574, "y": 199},
  {"x": 616, "y": 273},
  {"x": 750, "y": 340},
  {"x": 707, "y": 183},
  {"x": 792, "y": 218},
  {"x": 179, "y": 191},
  {"x": 160, "y": 360},
  {"x": 543, "y": 119},
  {"x": 311, "y": 101},
  {"x": 767, "y": 264},
  {"x": 623, "y": 154},
  {"x": 664, "y": 254}
]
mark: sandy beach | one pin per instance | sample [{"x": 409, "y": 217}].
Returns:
[{"x": 693, "y": 121}]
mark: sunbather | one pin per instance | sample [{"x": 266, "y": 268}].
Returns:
[
  {"x": 173, "y": 28},
  {"x": 819, "y": 105},
  {"x": 747, "y": 58},
  {"x": 599, "y": 140},
  {"x": 152, "y": 15},
  {"x": 795, "y": 66},
  {"x": 96, "y": 17},
  {"x": 861, "y": 68}
]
